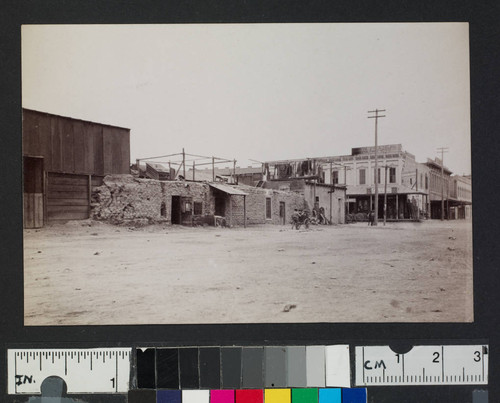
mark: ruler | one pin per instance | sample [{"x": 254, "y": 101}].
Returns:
[
  {"x": 422, "y": 365},
  {"x": 99, "y": 370}
]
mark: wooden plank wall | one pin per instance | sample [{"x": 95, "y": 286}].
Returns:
[
  {"x": 75, "y": 146},
  {"x": 33, "y": 210},
  {"x": 67, "y": 197}
]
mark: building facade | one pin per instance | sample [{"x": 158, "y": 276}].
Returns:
[
  {"x": 439, "y": 188},
  {"x": 460, "y": 200},
  {"x": 404, "y": 181},
  {"x": 63, "y": 159},
  {"x": 123, "y": 199},
  {"x": 320, "y": 198}
]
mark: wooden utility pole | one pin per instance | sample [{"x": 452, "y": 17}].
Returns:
[
  {"x": 234, "y": 171},
  {"x": 385, "y": 194},
  {"x": 442, "y": 150},
  {"x": 376, "y": 117},
  {"x": 184, "y": 164}
]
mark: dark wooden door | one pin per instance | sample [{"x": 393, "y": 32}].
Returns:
[
  {"x": 67, "y": 197},
  {"x": 282, "y": 213},
  {"x": 33, "y": 192},
  {"x": 175, "y": 216},
  {"x": 220, "y": 206}
]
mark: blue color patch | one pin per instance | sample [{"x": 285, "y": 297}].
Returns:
[
  {"x": 355, "y": 395},
  {"x": 330, "y": 395},
  {"x": 168, "y": 396}
]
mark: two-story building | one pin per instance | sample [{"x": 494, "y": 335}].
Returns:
[
  {"x": 439, "y": 188},
  {"x": 460, "y": 200},
  {"x": 401, "y": 181}
]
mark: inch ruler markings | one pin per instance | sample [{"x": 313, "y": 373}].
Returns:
[
  {"x": 422, "y": 365},
  {"x": 99, "y": 370}
]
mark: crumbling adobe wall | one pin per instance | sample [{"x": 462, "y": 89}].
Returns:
[{"x": 124, "y": 199}]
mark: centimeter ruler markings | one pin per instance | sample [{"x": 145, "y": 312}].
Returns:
[
  {"x": 422, "y": 365},
  {"x": 99, "y": 370}
]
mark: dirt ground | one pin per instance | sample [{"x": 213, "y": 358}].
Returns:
[{"x": 91, "y": 273}]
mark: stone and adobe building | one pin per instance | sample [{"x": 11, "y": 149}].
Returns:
[{"x": 126, "y": 199}]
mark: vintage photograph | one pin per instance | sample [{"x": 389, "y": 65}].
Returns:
[{"x": 246, "y": 173}]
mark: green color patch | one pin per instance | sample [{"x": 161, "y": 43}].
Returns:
[{"x": 306, "y": 395}]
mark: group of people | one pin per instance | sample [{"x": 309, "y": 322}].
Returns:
[{"x": 300, "y": 217}]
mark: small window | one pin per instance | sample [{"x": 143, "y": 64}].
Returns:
[
  {"x": 198, "y": 208},
  {"x": 268, "y": 208},
  {"x": 376, "y": 178},
  {"x": 362, "y": 176},
  {"x": 335, "y": 177},
  {"x": 392, "y": 175}
]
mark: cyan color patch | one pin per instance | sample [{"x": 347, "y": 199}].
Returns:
[{"x": 330, "y": 395}]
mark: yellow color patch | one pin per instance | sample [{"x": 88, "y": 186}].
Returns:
[{"x": 277, "y": 396}]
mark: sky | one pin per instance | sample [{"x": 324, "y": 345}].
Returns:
[{"x": 259, "y": 91}]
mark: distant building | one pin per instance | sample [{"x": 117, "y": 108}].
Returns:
[
  {"x": 250, "y": 176},
  {"x": 407, "y": 181},
  {"x": 63, "y": 158},
  {"x": 460, "y": 200},
  {"x": 439, "y": 187},
  {"x": 307, "y": 177}
]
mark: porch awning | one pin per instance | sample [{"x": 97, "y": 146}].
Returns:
[{"x": 228, "y": 189}]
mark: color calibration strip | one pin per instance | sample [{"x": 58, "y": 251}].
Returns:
[
  {"x": 243, "y": 367},
  {"x": 279, "y": 395}
]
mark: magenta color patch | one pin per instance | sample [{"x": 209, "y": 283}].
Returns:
[{"x": 221, "y": 396}]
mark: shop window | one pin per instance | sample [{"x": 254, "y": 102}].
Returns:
[{"x": 268, "y": 208}]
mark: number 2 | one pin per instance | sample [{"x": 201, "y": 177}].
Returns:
[{"x": 436, "y": 357}]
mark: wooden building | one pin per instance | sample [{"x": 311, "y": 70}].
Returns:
[{"x": 63, "y": 158}]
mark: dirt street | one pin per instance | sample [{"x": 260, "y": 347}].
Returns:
[{"x": 90, "y": 273}]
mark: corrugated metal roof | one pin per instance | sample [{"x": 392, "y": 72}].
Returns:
[{"x": 228, "y": 189}]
